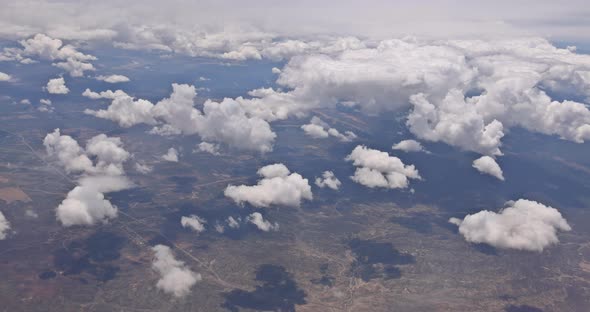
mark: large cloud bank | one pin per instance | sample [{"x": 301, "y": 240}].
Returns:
[
  {"x": 278, "y": 186},
  {"x": 377, "y": 169},
  {"x": 175, "y": 278},
  {"x": 524, "y": 225},
  {"x": 100, "y": 165}
]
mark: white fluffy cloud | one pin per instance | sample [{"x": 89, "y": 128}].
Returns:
[
  {"x": 209, "y": 148},
  {"x": 378, "y": 169},
  {"x": 143, "y": 168},
  {"x": 175, "y": 277},
  {"x": 524, "y": 225},
  {"x": 4, "y": 76},
  {"x": 277, "y": 187},
  {"x": 57, "y": 86},
  {"x": 263, "y": 225},
  {"x": 113, "y": 78},
  {"x": 226, "y": 122},
  {"x": 101, "y": 167},
  {"x": 66, "y": 57},
  {"x": 171, "y": 155},
  {"x": 194, "y": 222},
  {"x": 488, "y": 165},
  {"x": 328, "y": 179},
  {"x": 4, "y": 226},
  {"x": 319, "y": 129},
  {"x": 408, "y": 146}
]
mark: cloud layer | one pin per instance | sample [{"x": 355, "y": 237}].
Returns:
[{"x": 524, "y": 224}]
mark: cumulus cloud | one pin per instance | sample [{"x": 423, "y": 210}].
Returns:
[
  {"x": 143, "y": 168},
  {"x": 227, "y": 121},
  {"x": 319, "y": 129},
  {"x": 328, "y": 179},
  {"x": 4, "y": 77},
  {"x": 113, "y": 78},
  {"x": 46, "y": 106},
  {"x": 263, "y": 225},
  {"x": 277, "y": 187},
  {"x": 233, "y": 223},
  {"x": 175, "y": 277},
  {"x": 100, "y": 164},
  {"x": 488, "y": 165},
  {"x": 524, "y": 225},
  {"x": 57, "y": 86},
  {"x": 171, "y": 155},
  {"x": 408, "y": 146},
  {"x": 4, "y": 226},
  {"x": 209, "y": 148},
  {"x": 378, "y": 169},
  {"x": 66, "y": 57},
  {"x": 193, "y": 222}
]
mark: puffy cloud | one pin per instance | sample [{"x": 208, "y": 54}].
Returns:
[
  {"x": 233, "y": 223},
  {"x": 194, "y": 222},
  {"x": 143, "y": 168},
  {"x": 328, "y": 179},
  {"x": 171, "y": 155},
  {"x": 101, "y": 166},
  {"x": 409, "y": 146},
  {"x": 27, "y": 102},
  {"x": 524, "y": 225},
  {"x": 277, "y": 187},
  {"x": 44, "y": 47},
  {"x": 57, "y": 86},
  {"x": 318, "y": 129},
  {"x": 488, "y": 165},
  {"x": 378, "y": 169},
  {"x": 113, "y": 78},
  {"x": 4, "y": 77},
  {"x": 263, "y": 225},
  {"x": 4, "y": 226},
  {"x": 209, "y": 148},
  {"x": 226, "y": 121},
  {"x": 175, "y": 278},
  {"x": 86, "y": 203},
  {"x": 45, "y": 106}
]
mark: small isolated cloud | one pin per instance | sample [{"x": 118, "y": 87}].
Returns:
[
  {"x": 378, "y": 169},
  {"x": 263, "y": 225},
  {"x": 233, "y": 223},
  {"x": 57, "y": 86},
  {"x": 175, "y": 278},
  {"x": 328, "y": 179},
  {"x": 4, "y": 226},
  {"x": 488, "y": 165},
  {"x": 45, "y": 106},
  {"x": 113, "y": 78},
  {"x": 203, "y": 78},
  {"x": 45, "y": 101},
  {"x": 318, "y": 129},
  {"x": 101, "y": 167},
  {"x": 143, "y": 168},
  {"x": 193, "y": 222},
  {"x": 25, "y": 102},
  {"x": 276, "y": 70},
  {"x": 4, "y": 76},
  {"x": 408, "y": 146},
  {"x": 524, "y": 225},
  {"x": 171, "y": 155},
  {"x": 277, "y": 187},
  {"x": 209, "y": 148}
]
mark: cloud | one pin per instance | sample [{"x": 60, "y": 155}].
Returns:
[
  {"x": 318, "y": 129},
  {"x": 233, "y": 223},
  {"x": 4, "y": 226},
  {"x": 263, "y": 225},
  {"x": 209, "y": 148},
  {"x": 171, "y": 155},
  {"x": 524, "y": 225},
  {"x": 4, "y": 77},
  {"x": 409, "y": 146},
  {"x": 57, "y": 86},
  {"x": 193, "y": 222},
  {"x": 488, "y": 165},
  {"x": 100, "y": 164},
  {"x": 175, "y": 278},
  {"x": 45, "y": 106},
  {"x": 113, "y": 78},
  {"x": 277, "y": 187},
  {"x": 143, "y": 168},
  {"x": 328, "y": 179},
  {"x": 226, "y": 122},
  {"x": 378, "y": 169}
]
